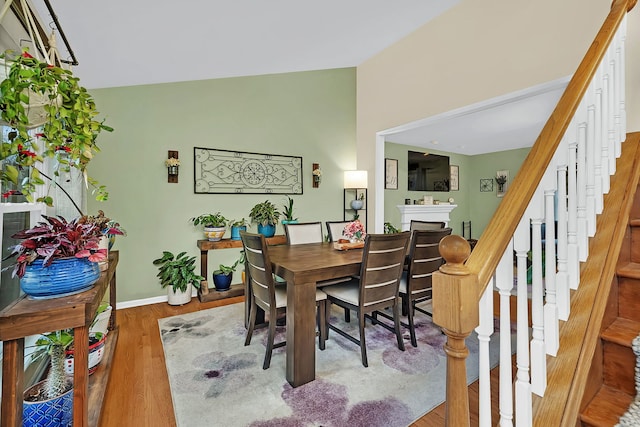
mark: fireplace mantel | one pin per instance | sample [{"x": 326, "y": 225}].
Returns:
[{"x": 424, "y": 213}]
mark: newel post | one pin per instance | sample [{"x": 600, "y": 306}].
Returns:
[{"x": 455, "y": 309}]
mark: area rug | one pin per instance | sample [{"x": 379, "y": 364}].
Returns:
[{"x": 216, "y": 381}]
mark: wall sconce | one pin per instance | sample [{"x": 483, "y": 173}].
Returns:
[
  {"x": 317, "y": 175},
  {"x": 355, "y": 179},
  {"x": 173, "y": 164}
]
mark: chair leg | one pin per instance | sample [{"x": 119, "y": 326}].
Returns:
[
  {"x": 327, "y": 316},
  {"x": 347, "y": 315},
  {"x": 252, "y": 323},
  {"x": 322, "y": 323},
  {"x": 270, "y": 338},
  {"x": 363, "y": 345},
  {"x": 412, "y": 329},
  {"x": 405, "y": 304},
  {"x": 396, "y": 321}
]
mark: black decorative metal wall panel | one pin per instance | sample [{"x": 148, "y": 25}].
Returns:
[{"x": 238, "y": 172}]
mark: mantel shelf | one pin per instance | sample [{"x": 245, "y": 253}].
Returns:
[{"x": 435, "y": 213}]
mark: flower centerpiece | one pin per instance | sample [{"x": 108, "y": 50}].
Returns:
[
  {"x": 58, "y": 257},
  {"x": 354, "y": 231}
]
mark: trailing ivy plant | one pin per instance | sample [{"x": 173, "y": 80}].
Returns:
[{"x": 68, "y": 134}]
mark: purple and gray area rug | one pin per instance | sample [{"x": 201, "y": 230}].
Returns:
[{"x": 217, "y": 381}]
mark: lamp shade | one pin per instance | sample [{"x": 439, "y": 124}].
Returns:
[{"x": 355, "y": 179}]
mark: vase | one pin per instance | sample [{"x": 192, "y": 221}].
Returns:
[
  {"x": 357, "y": 204},
  {"x": 222, "y": 282},
  {"x": 96, "y": 353},
  {"x": 56, "y": 412},
  {"x": 179, "y": 297},
  {"x": 235, "y": 231},
  {"x": 173, "y": 170},
  {"x": 268, "y": 230},
  {"x": 213, "y": 234},
  {"x": 66, "y": 276}
]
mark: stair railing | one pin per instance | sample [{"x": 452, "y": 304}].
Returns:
[{"x": 559, "y": 189}]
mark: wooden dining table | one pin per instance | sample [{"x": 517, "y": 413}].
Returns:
[{"x": 303, "y": 266}]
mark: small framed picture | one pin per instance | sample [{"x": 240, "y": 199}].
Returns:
[
  {"x": 454, "y": 178},
  {"x": 391, "y": 174}
]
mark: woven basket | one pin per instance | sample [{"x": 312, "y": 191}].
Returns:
[{"x": 63, "y": 277}]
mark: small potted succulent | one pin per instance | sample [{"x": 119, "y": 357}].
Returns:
[
  {"x": 358, "y": 203},
  {"x": 58, "y": 257},
  {"x": 177, "y": 274},
  {"x": 224, "y": 274},
  {"x": 288, "y": 212},
  {"x": 237, "y": 225},
  {"x": 266, "y": 215},
  {"x": 214, "y": 225}
]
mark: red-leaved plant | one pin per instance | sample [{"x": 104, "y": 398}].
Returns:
[{"x": 56, "y": 238}]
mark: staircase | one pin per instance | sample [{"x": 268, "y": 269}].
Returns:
[{"x": 612, "y": 386}]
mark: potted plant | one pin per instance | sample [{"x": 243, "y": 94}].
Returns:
[
  {"x": 224, "y": 274},
  {"x": 69, "y": 125},
  {"x": 97, "y": 341},
  {"x": 358, "y": 203},
  {"x": 288, "y": 212},
  {"x": 52, "y": 398},
  {"x": 266, "y": 215},
  {"x": 237, "y": 226},
  {"x": 214, "y": 225},
  {"x": 108, "y": 229},
  {"x": 176, "y": 273},
  {"x": 57, "y": 257}
]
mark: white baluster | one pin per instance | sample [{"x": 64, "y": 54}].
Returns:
[
  {"x": 538, "y": 350},
  {"x": 484, "y": 331},
  {"x": 522, "y": 387},
  {"x": 611, "y": 124},
  {"x": 605, "y": 130},
  {"x": 573, "y": 262},
  {"x": 504, "y": 282},
  {"x": 563, "y": 291},
  {"x": 623, "y": 110},
  {"x": 551, "y": 326},
  {"x": 581, "y": 185},
  {"x": 597, "y": 135},
  {"x": 590, "y": 161}
]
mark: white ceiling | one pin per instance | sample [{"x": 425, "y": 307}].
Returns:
[{"x": 125, "y": 42}]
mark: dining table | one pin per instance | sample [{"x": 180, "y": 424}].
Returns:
[{"x": 303, "y": 266}]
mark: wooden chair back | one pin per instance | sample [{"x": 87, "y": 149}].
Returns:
[
  {"x": 425, "y": 225},
  {"x": 259, "y": 272},
  {"x": 424, "y": 259},
  {"x": 303, "y": 232},
  {"x": 382, "y": 263},
  {"x": 335, "y": 229}
]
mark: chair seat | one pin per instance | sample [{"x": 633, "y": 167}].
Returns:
[
  {"x": 348, "y": 292},
  {"x": 281, "y": 296},
  {"x": 403, "y": 285}
]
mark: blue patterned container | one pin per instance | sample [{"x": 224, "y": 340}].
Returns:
[
  {"x": 56, "y": 412},
  {"x": 63, "y": 277}
]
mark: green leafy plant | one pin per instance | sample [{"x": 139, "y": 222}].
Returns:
[
  {"x": 238, "y": 223},
  {"x": 54, "y": 344},
  {"x": 210, "y": 220},
  {"x": 390, "y": 229},
  {"x": 265, "y": 213},
  {"x": 177, "y": 271},
  {"x": 288, "y": 210},
  {"x": 68, "y": 134},
  {"x": 228, "y": 269}
]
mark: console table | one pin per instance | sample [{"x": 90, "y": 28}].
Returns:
[
  {"x": 28, "y": 317},
  {"x": 237, "y": 289}
]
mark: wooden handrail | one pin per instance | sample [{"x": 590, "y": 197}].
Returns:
[{"x": 488, "y": 251}]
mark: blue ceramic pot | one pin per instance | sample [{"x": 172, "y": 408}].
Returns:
[
  {"x": 63, "y": 277},
  {"x": 56, "y": 412},
  {"x": 267, "y": 230},
  {"x": 222, "y": 282},
  {"x": 235, "y": 232}
]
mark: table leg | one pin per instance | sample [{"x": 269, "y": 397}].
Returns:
[
  {"x": 13, "y": 382},
  {"x": 81, "y": 376},
  {"x": 301, "y": 333}
]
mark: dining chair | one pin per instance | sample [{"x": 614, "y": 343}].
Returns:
[
  {"x": 272, "y": 299},
  {"x": 416, "y": 281},
  {"x": 335, "y": 229},
  {"x": 425, "y": 225},
  {"x": 376, "y": 289},
  {"x": 303, "y": 232}
]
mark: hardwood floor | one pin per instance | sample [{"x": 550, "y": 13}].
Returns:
[{"x": 138, "y": 392}]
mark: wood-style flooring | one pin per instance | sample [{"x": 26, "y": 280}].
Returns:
[{"x": 138, "y": 391}]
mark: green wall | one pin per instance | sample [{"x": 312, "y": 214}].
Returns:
[
  {"x": 473, "y": 205},
  {"x": 308, "y": 114}
]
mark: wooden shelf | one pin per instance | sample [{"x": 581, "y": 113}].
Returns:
[
  {"x": 30, "y": 317},
  {"x": 205, "y": 293}
]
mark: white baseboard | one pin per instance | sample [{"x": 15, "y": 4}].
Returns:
[{"x": 147, "y": 301}]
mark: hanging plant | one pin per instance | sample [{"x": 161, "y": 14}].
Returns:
[{"x": 69, "y": 125}]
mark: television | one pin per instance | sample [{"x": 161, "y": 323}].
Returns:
[{"x": 427, "y": 172}]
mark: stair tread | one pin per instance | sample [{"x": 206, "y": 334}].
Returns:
[
  {"x": 634, "y": 222},
  {"x": 622, "y": 331},
  {"x": 606, "y": 408},
  {"x": 630, "y": 270}
]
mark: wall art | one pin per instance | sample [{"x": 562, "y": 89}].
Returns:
[
  {"x": 239, "y": 172},
  {"x": 391, "y": 174}
]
